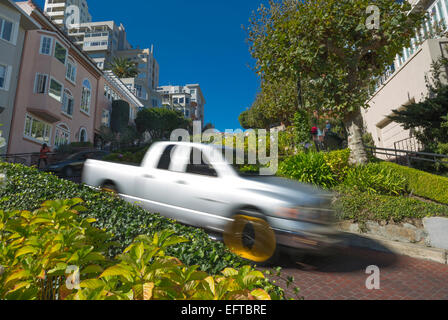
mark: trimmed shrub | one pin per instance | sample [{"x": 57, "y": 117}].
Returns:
[
  {"x": 338, "y": 161},
  {"x": 421, "y": 183},
  {"x": 375, "y": 179},
  {"x": 27, "y": 188},
  {"x": 308, "y": 168},
  {"x": 362, "y": 207}
]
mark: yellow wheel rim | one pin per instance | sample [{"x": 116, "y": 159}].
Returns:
[
  {"x": 109, "y": 190},
  {"x": 251, "y": 238}
]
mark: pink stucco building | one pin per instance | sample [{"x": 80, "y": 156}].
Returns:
[
  {"x": 62, "y": 96},
  {"x": 57, "y": 91}
]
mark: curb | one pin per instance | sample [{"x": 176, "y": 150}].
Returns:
[{"x": 406, "y": 249}]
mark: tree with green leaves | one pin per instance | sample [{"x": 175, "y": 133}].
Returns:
[
  {"x": 335, "y": 51},
  {"x": 244, "y": 119},
  {"x": 124, "y": 68},
  {"x": 160, "y": 122}
]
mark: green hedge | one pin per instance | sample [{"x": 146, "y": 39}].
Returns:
[
  {"x": 423, "y": 184},
  {"x": 26, "y": 189},
  {"x": 374, "y": 178},
  {"x": 309, "y": 168},
  {"x": 362, "y": 207}
]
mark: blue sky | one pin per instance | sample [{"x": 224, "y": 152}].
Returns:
[{"x": 198, "y": 41}]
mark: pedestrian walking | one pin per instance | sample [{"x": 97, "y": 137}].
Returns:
[{"x": 43, "y": 157}]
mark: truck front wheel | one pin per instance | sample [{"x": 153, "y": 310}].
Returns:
[{"x": 251, "y": 237}]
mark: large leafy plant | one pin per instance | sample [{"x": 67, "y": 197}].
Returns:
[
  {"x": 145, "y": 272},
  {"x": 36, "y": 248}
]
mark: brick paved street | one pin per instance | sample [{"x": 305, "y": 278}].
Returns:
[{"x": 343, "y": 277}]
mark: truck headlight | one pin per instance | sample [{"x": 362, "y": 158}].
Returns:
[{"x": 288, "y": 213}]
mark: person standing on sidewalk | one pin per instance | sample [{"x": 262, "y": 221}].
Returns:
[
  {"x": 43, "y": 155},
  {"x": 315, "y": 137}
]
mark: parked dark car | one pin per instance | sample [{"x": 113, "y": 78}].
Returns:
[{"x": 74, "y": 164}]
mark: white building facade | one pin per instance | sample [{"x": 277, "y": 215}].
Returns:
[
  {"x": 61, "y": 12},
  {"x": 188, "y": 99},
  {"x": 405, "y": 81}
]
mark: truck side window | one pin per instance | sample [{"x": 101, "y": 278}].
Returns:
[
  {"x": 165, "y": 159},
  {"x": 203, "y": 169}
]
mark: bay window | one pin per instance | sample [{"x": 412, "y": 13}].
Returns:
[
  {"x": 55, "y": 90},
  {"x": 6, "y": 29},
  {"x": 46, "y": 44},
  {"x": 86, "y": 96},
  {"x": 62, "y": 135},
  {"x": 60, "y": 52},
  {"x": 68, "y": 103},
  {"x": 37, "y": 130}
]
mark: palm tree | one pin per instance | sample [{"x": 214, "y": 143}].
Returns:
[{"x": 124, "y": 68}]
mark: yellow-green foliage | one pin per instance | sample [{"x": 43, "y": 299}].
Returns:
[
  {"x": 338, "y": 162},
  {"x": 423, "y": 184},
  {"x": 36, "y": 249}
]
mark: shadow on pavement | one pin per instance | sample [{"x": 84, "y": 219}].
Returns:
[{"x": 357, "y": 253}]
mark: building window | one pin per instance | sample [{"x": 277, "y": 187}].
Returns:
[
  {"x": 45, "y": 45},
  {"x": 62, "y": 135},
  {"x": 6, "y": 29},
  {"x": 86, "y": 96},
  {"x": 67, "y": 103},
  {"x": 5, "y": 75},
  {"x": 83, "y": 135},
  {"x": 60, "y": 52},
  {"x": 37, "y": 130},
  {"x": 71, "y": 71},
  {"x": 55, "y": 90},
  {"x": 40, "y": 85},
  {"x": 105, "y": 119}
]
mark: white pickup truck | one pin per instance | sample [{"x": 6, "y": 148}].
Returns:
[{"x": 256, "y": 214}]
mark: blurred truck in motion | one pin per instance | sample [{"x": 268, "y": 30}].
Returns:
[{"x": 257, "y": 215}]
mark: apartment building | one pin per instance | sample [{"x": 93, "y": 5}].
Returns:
[
  {"x": 104, "y": 41},
  {"x": 146, "y": 83},
  {"x": 404, "y": 82},
  {"x": 60, "y": 12},
  {"x": 61, "y": 94},
  {"x": 188, "y": 99},
  {"x": 14, "y": 23},
  {"x": 100, "y": 40}
]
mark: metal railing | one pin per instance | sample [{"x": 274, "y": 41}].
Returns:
[
  {"x": 407, "y": 156},
  {"x": 28, "y": 159},
  {"x": 409, "y": 144}
]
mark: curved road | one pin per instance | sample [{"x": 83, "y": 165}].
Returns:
[{"x": 343, "y": 277}]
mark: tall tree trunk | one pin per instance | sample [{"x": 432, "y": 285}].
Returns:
[{"x": 354, "y": 125}]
